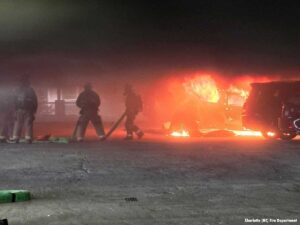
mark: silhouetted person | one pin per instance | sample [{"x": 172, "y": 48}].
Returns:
[
  {"x": 89, "y": 101},
  {"x": 6, "y": 114},
  {"x": 134, "y": 105},
  {"x": 25, "y": 101}
]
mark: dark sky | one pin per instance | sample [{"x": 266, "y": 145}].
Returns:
[{"x": 146, "y": 38}]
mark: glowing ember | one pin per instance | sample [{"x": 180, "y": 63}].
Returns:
[
  {"x": 204, "y": 87},
  {"x": 182, "y": 133}
]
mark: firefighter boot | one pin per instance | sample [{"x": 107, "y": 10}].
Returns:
[
  {"x": 2, "y": 139},
  {"x": 102, "y": 137},
  {"x": 140, "y": 134},
  {"x": 13, "y": 141},
  {"x": 79, "y": 139},
  {"x": 129, "y": 137}
]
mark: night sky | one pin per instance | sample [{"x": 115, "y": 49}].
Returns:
[{"x": 145, "y": 39}]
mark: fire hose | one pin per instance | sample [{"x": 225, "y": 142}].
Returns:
[
  {"x": 116, "y": 124},
  {"x": 112, "y": 129}
]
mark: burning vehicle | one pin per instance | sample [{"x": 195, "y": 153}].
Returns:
[
  {"x": 274, "y": 109},
  {"x": 203, "y": 104}
]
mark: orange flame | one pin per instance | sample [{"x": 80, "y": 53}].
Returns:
[
  {"x": 237, "y": 96},
  {"x": 212, "y": 88},
  {"x": 241, "y": 92},
  {"x": 204, "y": 87}
]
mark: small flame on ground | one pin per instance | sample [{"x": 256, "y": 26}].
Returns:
[
  {"x": 182, "y": 133},
  {"x": 241, "y": 133},
  {"x": 271, "y": 134},
  {"x": 247, "y": 133}
]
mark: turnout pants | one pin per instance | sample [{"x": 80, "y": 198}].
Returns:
[
  {"x": 130, "y": 125},
  {"x": 83, "y": 122},
  {"x": 24, "y": 118},
  {"x": 6, "y": 125}
]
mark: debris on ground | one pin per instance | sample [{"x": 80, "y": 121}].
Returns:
[{"x": 131, "y": 199}]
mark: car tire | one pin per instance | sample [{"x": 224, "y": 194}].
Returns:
[{"x": 288, "y": 136}]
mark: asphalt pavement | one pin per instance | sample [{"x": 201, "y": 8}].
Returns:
[{"x": 158, "y": 180}]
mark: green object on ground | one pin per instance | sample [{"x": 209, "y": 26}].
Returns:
[
  {"x": 7, "y": 196},
  {"x": 62, "y": 140}
]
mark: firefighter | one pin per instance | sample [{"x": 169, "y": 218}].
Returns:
[
  {"x": 134, "y": 105},
  {"x": 26, "y": 104},
  {"x": 89, "y": 101},
  {"x": 6, "y": 115}
]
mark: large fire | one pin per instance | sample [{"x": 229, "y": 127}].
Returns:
[
  {"x": 205, "y": 101},
  {"x": 237, "y": 96},
  {"x": 204, "y": 87},
  {"x": 220, "y": 97}
]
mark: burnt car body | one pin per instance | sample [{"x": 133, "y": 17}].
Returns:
[{"x": 274, "y": 109}]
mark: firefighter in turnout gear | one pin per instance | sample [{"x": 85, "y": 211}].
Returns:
[
  {"x": 134, "y": 105},
  {"x": 26, "y": 105},
  {"x": 6, "y": 114},
  {"x": 89, "y": 101}
]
